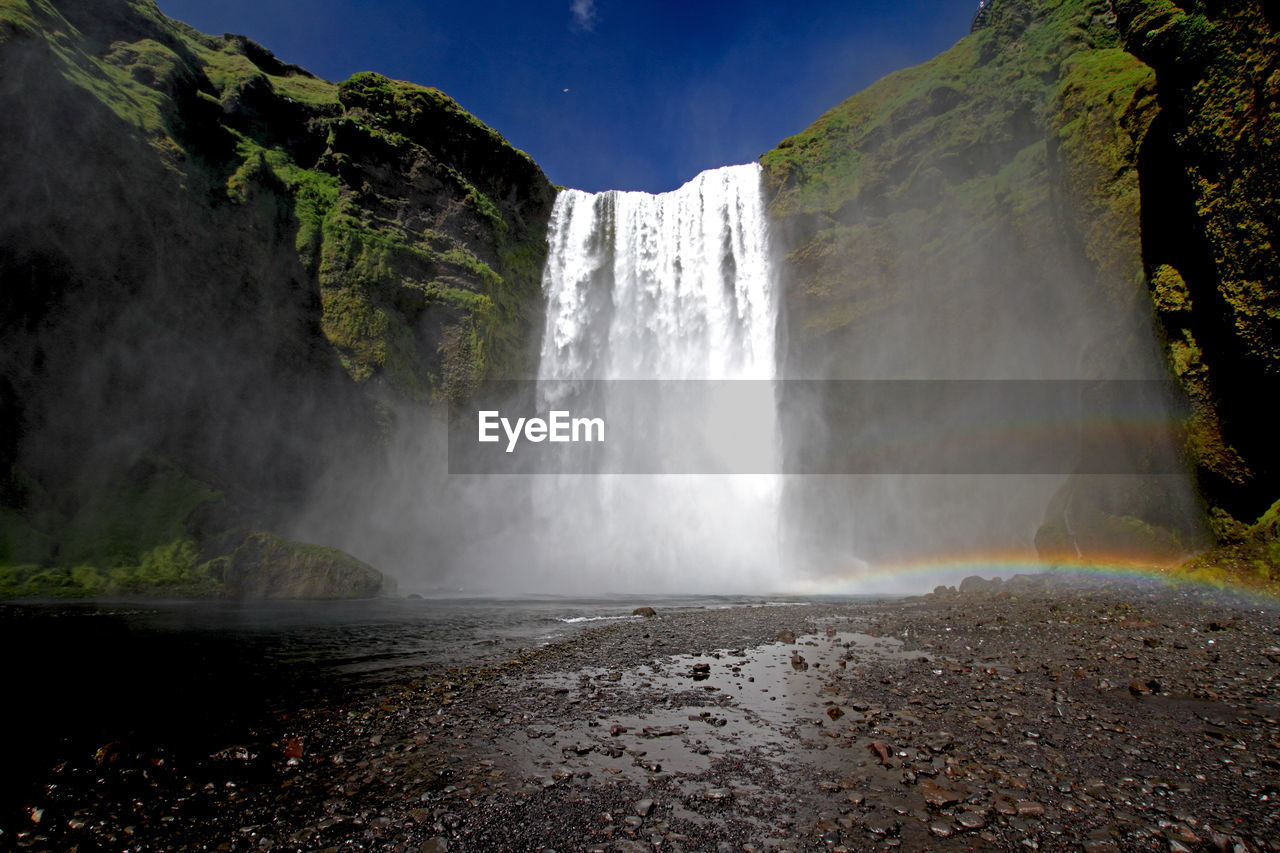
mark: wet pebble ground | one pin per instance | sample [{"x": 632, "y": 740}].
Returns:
[{"x": 1035, "y": 714}]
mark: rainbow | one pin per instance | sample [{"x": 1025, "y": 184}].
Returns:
[{"x": 922, "y": 575}]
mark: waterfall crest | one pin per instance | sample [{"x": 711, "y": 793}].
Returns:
[{"x": 670, "y": 286}]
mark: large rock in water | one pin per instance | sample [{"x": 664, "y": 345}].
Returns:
[
  {"x": 222, "y": 268},
  {"x": 266, "y": 566}
]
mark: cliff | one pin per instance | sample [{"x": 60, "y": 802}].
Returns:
[
  {"x": 1211, "y": 233},
  {"x": 979, "y": 217},
  {"x": 221, "y": 274},
  {"x": 1093, "y": 177}
]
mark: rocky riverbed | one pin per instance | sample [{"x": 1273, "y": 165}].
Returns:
[{"x": 1040, "y": 713}]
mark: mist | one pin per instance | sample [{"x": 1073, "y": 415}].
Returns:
[{"x": 689, "y": 287}]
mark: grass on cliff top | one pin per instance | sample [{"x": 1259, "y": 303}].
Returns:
[
  {"x": 961, "y": 101},
  {"x": 134, "y": 77},
  {"x": 226, "y": 67},
  {"x": 399, "y": 105}
]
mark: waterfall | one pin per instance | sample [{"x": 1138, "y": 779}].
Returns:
[{"x": 675, "y": 286}]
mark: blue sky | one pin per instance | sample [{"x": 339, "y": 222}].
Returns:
[{"x": 657, "y": 91}]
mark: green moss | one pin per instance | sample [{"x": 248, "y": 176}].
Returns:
[
  {"x": 1104, "y": 105},
  {"x": 375, "y": 284},
  {"x": 22, "y": 539},
  {"x": 227, "y": 67},
  {"x": 952, "y": 155},
  {"x": 1248, "y": 565},
  {"x": 15, "y": 17},
  {"x": 969, "y": 97},
  {"x": 167, "y": 570},
  {"x": 410, "y": 109},
  {"x": 171, "y": 569},
  {"x": 313, "y": 194},
  {"x": 378, "y": 278},
  {"x": 357, "y": 329},
  {"x": 486, "y": 208},
  {"x": 253, "y": 171},
  {"x": 120, "y": 522},
  {"x": 307, "y": 90},
  {"x": 1267, "y": 529},
  {"x": 36, "y": 582},
  {"x": 90, "y": 580},
  {"x": 136, "y": 103},
  {"x": 1170, "y": 294}
]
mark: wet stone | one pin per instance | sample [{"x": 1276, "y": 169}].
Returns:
[
  {"x": 1100, "y": 846},
  {"x": 936, "y": 795},
  {"x": 879, "y": 823}
]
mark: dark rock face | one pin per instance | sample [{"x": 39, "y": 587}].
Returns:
[
  {"x": 430, "y": 261},
  {"x": 1210, "y": 233},
  {"x": 218, "y": 265},
  {"x": 1201, "y": 150}
]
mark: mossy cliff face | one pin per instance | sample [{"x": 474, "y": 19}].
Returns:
[
  {"x": 1210, "y": 168},
  {"x": 959, "y": 182},
  {"x": 979, "y": 216},
  {"x": 220, "y": 274},
  {"x": 430, "y": 259}
]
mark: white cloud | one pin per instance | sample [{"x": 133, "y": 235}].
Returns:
[{"x": 584, "y": 13}]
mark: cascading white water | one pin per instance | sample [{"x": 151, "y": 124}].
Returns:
[
  {"x": 670, "y": 286},
  {"x": 676, "y": 286}
]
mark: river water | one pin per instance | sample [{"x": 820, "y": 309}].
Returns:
[{"x": 195, "y": 676}]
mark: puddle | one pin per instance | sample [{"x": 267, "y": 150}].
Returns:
[{"x": 774, "y": 701}]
